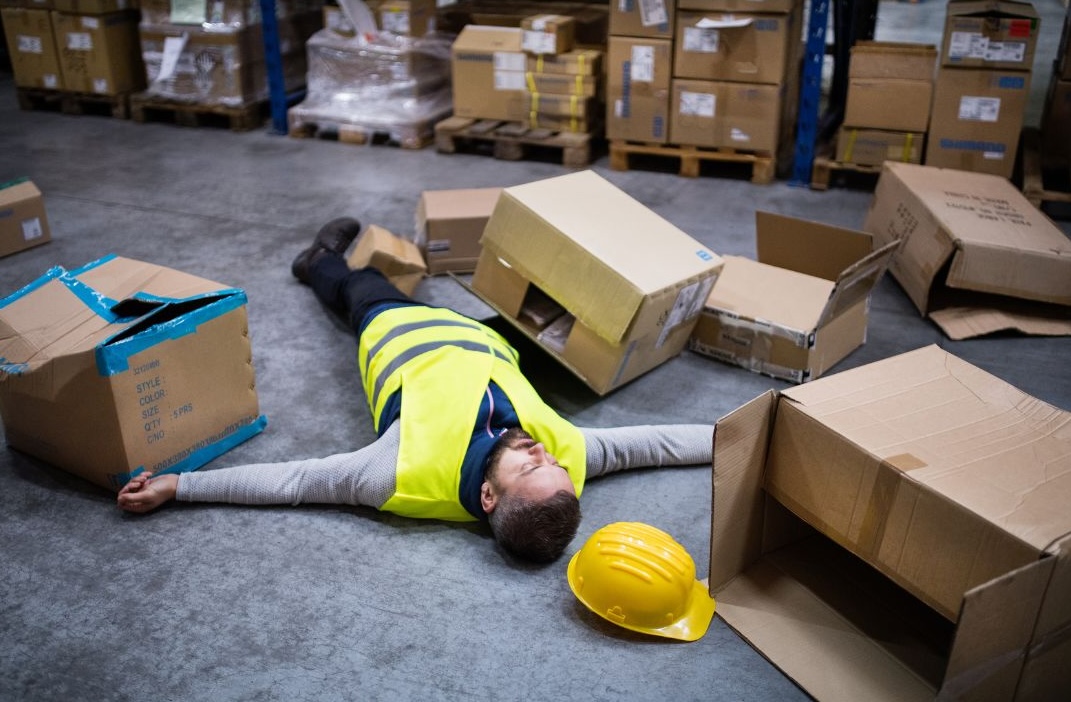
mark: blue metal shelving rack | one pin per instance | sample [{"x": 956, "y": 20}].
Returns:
[
  {"x": 273, "y": 59},
  {"x": 810, "y": 93}
]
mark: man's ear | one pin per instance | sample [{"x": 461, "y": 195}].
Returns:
[{"x": 488, "y": 498}]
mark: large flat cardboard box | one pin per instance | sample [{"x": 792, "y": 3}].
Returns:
[
  {"x": 990, "y": 34},
  {"x": 899, "y": 531},
  {"x": 638, "y": 18},
  {"x": 397, "y": 258},
  {"x": 99, "y": 53},
  {"x": 735, "y": 46},
  {"x": 977, "y": 257},
  {"x": 449, "y": 224},
  {"x": 488, "y": 69},
  {"x": 726, "y": 115},
  {"x": 23, "y": 221},
  {"x": 639, "y": 75},
  {"x": 31, "y": 47},
  {"x": 873, "y": 147},
  {"x": 977, "y": 120},
  {"x": 122, "y": 366},
  {"x": 801, "y": 307},
  {"x": 607, "y": 286}
]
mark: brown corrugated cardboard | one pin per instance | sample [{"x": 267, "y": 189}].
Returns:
[
  {"x": 122, "y": 366},
  {"x": 407, "y": 18},
  {"x": 1055, "y": 118},
  {"x": 872, "y": 147},
  {"x": 639, "y": 72},
  {"x": 488, "y": 67},
  {"x": 915, "y": 482},
  {"x": 888, "y": 103},
  {"x": 561, "y": 84},
  {"x": 23, "y": 222},
  {"x": 92, "y": 7},
  {"x": 32, "y": 48},
  {"x": 990, "y": 34},
  {"x": 626, "y": 287},
  {"x": 801, "y": 307},
  {"x": 99, "y": 53},
  {"x": 27, "y": 4},
  {"x": 548, "y": 34},
  {"x": 977, "y": 257},
  {"x": 739, "y": 5},
  {"x": 449, "y": 224},
  {"x": 977, "y": 119},
  {"x": 578, "y": 62},
  {"x": 397, "y": 258},
  {"x": 750, "y": 48},
  {"x": 724, "y": 114},
  {"x": 634, "y": 18},
  {"x": 890, "y": 59}
]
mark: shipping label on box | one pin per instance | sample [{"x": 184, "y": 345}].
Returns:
[
  {"x": 921, "y": 553},
  {"x": 122, "y": 366},
  {"x": 32, "y": 48},
  {"x": 977, "y": 257},
  {"x": 23, "y": 222},
  {"x": 603, "y": 283}
]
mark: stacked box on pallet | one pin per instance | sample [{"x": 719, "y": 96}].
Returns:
[
  {"x": 887, "y": 111},
  {"x": 639, "y": 71},
  {"x": 983, "y": 85},
  {"x": 31, "y": 44},
  {"x": 736, "y": 74},
  {"x": 211, "y": 52}
]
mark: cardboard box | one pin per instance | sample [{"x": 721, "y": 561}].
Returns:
[
  {"x": 27, "y": 4},
  {"x": 578, "y": 62},
  {"x": 801, "y": 307},
  {"x": 407, "y": 18},
  {"x": 604, "y": 284},
  {"x": 888, "y": 103},
  {"x": 23, "y": 222},
  {"x": 739, "y": 5},
  {"x": 729, "y": 115},
  {"x": 92, "y": 7},
  {"x": 122, "y": 366},
  {"x": 449, "y": 224},
  {"x": 990, "y": 34},
  {"x": 99, "y": 53},
  {"x": 1055, "y": 118},
  {"x": 748, "y": 48},
  {"x": 548, "y": 34},
  {"x": 639, "y": 72},
  {"x": 488, "y": 68},
  {"x": 977, "y": 257},
  {"x": 560, "y": 84},
  {"x": 977, "y": 119},
  {"x": 890, "y": 59},
  {"x": 873, "y": 147},
  {"x": 397, "y": 258},
  {"x": 32, "y": 48},
  {"x": 634, "y": 18},
  {"x": 917, "y": 488}
]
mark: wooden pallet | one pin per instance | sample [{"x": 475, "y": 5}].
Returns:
[
  {"x": 512, "y": 141},
  {"x": 693, "y": 157},
  {"x": 1044, "y": 180},
  {"x": 69, "y": 103},
  {"x": 405, "y": 136},
  {"x": 823, "y": 168},
  {"x": 243, "y": 118}
]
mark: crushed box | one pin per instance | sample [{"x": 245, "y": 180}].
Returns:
[
  {"x": 604, "y": 284},
  {"x": 899, "y": 531},
  {"x": 397, "y": 258},
  {"x": 977, "y": 257},
  {"x": 23, "y": 221},
  {"x": 801, "y": 307},
  {"x": 449, "y": 224},
  {"x": 122, "y": 366}
]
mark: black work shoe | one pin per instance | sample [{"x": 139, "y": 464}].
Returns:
[{"x": 336, "y": 236}]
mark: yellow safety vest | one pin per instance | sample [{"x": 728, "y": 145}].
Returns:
[{"x": 443, "y": 363}]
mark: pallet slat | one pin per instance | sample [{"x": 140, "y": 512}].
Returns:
[
  {"x": 69, "y": 103},
  {"x": 242, "y": 118},
  {"x": 406, "y": 136},
  {"x": 511, "y": 141},
  {"x": 691, "y": 158}
]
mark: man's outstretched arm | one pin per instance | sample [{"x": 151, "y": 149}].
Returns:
[{"x": 647, "y": 446}]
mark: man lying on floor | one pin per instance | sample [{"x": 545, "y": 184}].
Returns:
[{"x": 472, "y": 441}]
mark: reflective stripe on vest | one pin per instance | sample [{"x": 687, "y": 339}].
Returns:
[{"x": 444, "y": 362}]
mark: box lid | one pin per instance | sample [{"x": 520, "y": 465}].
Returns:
[
  {"x": 585, "y": 242},
  {"x": 479, "y": 37},
  {"x": 457, "y": 204}
]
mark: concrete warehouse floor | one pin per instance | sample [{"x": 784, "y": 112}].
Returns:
[{"x": 211, "y": 602}]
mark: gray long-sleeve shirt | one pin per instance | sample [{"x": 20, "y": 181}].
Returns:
[{"x": 367, "y": 476}]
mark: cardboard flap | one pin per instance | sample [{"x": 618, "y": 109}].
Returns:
[
  {"x": 857, "y": 281},
  {"x": 740, "y": 443},
  {"x": 812, "y": 248},
  {"x": 1033, "y": 274},
  {"x": 966, "y": 322}
]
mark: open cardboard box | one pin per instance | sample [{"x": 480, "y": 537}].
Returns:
[
  {"x": 801, "y": 307},
  {"x": 899, "y": 531},
  {"x": 122, "y": 366},
  {"x": 449, "y": 224},
  {"x": 976, "y": 257},
  {"x": 604, "y": 284}
]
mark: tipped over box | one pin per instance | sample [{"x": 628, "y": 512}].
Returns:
[
  {"x": 899, "y": 531},
  {"x": 122, "y": 366},
  {"x": 607, "y": 286}
]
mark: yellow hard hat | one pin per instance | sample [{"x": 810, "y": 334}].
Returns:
[{"x": 640, "y": 578}]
